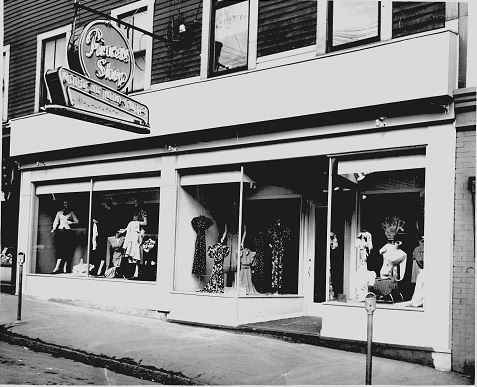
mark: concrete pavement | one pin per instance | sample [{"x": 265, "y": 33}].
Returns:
[{"x": 182, "y": 354}]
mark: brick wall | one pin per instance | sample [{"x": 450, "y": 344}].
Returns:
[{"x": 463, "y": 304}]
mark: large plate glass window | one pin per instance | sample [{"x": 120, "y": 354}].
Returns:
[
  {"x": 353, "y": 23},
  {"x": 229, "y": 37},
  {"x": 272, "y": 209},
  {"x": 207, "y": 231},
  {"x": 60, "y": 236},
  {"x": 124, "y": 229},
  {"x": 377, "y": 229}
]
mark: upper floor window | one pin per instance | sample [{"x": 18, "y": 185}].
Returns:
[
  {"x": 138, "y": 14},
  {"x": 5, "y": 77},
  {"x": 229, "y": 37},
  {"x": 51, "y": 53},
  {"x": 353, "y": 23}
]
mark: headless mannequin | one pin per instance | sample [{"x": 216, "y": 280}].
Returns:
[{"x": 63, "y": 220}]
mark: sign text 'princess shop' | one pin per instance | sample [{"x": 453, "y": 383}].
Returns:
[{"x": 105, "y": 54}]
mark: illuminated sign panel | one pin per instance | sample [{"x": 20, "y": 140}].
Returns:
[
  {"x": 90, "y": 98},
  {"x": 105, "y": 54}
]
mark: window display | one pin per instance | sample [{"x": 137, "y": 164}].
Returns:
[
  {"x": 384, "y": 209},
  {"x": 125, "y": 228},
  {"x": 207, "y": 232},
  {"x": 61, "y": 238},
  {"x": 119, "y": 241}
]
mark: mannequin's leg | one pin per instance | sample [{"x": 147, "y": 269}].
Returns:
[
  {"x": 57, "y": 266},
  {"x": 100, "y": 269}
]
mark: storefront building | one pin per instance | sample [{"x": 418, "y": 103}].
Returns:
[{"x": 283, "y": 175}]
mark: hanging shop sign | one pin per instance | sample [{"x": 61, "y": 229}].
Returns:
[
  {"x": 73, "y": 94},
  {"x": 105, "y": 54}
]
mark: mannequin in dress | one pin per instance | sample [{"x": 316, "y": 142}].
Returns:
[
  {"x": 64, "y": 237},
  {"x": 217, "y": 252},
  {"x": 279, "y": 235},
  {"x": 364, "y": 277},
  {"x": 247, "y": 260}
]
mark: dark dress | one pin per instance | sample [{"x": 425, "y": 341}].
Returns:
[
  {"x": 200, "y": 224},
  {"x": 279, "y": 235},
  {"x": 217, "y": 252}
]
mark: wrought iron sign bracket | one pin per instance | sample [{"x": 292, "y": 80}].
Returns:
[{"x": 77, "y": 5}]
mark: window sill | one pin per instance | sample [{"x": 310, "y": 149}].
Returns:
[
  {"x": 231, "y": 293},
  {"x": 404, "y": 306},
  {"x": 102, "y": 279}
]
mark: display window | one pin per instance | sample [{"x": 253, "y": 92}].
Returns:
[
  {"x": 377, "y": 230},
  {"x": 104, "y": 232},
  {"x": 272, "y": 220},
  {"x": 61, "y": 235},
  {"x": 208, "y": 232}
]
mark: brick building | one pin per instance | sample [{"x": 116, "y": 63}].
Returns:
[{"x": 297, "y": 154}]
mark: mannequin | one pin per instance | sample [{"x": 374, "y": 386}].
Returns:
[
  {"x": 364, "y": 277},
  {"x": 247, "y": 260},
  {"x": 64, "y": 237},
  {"x": 217, "y": 252},
  {"x": 200, "y": 224},
  {"x": 417, "y": 260},
  {"x": 279, "y": 235}
]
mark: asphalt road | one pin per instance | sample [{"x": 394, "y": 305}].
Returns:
[{"x": 20, "y": 365}]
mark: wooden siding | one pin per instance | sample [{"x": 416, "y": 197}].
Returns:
[
  {"x": 25, "y": 19},
  {"x": 183, "y": 60},
  {"x": 414, "y": 17},
  {"x": 285, "y": 25}
]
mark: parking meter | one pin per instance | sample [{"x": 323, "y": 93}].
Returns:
[
  {"x": 20, "y": 261},
  {"x": 370, "y": 306},
  {"x": 370, "y": 302},
  {"x": 21, "y": 258}
]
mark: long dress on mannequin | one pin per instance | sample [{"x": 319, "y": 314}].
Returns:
[
  {"x": 200, "y": 224},
  {"x": 216, "y": 283},
  {"x": 279, "y": 235},
  {"x": 247, "y": 259},
  {"x": 258, "y": 274}
]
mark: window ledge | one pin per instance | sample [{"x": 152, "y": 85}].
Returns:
[
  {"x": 404, "y": 306},
  {"x": 232, "y": 294},
  {"x": 102, "y": 279}
]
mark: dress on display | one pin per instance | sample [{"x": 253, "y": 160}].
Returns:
[
  {"x": 200, "y": 224},
  {"x": 418, "y": 261},
  {"x": 392, "y": 256},
  {"x": 247, "y": 260},
  {"x": 217, "y": 252},
  {"x": 133, "y": 240},
  {"x": 258, "y": 274},
  {"x": 279, "y": 235}
]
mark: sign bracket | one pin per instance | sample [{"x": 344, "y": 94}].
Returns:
[{"x": 77, "y": 5}]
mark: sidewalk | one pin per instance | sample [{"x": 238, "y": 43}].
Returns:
[{"x": 195, "y": 355}]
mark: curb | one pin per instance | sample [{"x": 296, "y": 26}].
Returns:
[{"x": 125, "y": 366}]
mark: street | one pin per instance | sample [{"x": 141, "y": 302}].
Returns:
[{"x": 20, "y": 365}]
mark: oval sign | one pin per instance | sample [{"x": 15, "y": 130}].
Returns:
[{"x": 106, "y": 55}]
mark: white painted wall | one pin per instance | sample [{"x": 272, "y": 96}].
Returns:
[{"x": 404, "y": 69}]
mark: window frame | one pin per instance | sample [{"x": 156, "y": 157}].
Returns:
[
  {"x": 211, "y": 36},
  {"x": 40, "y": 39},
  {"x": 329, "y": 33},
  {"x": 149, "y": 9},
  {"x": 5, "y": 80}
]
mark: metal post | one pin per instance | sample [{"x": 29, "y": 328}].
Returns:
[
  {"x": 370, "y": 306},
  {"x": 20, "y": 260}
]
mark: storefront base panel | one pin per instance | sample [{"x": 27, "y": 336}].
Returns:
[
  {"x": 406, "y": 328},
  {"x": 138, "y": 295},
  {"x": 203, "y": 308},
  {"x": 258, "y": 309},
  {"x": 229, "y": 311}
]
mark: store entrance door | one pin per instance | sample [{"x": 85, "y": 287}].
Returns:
[{"x": 319, "y": 291}]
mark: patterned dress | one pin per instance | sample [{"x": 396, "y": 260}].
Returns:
[
  {"x": 200, "y": 224},
  {"x": 279, "y": 235},
  {"x": 258, "y": 274},
  {"x": 216, "y": 283}
]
